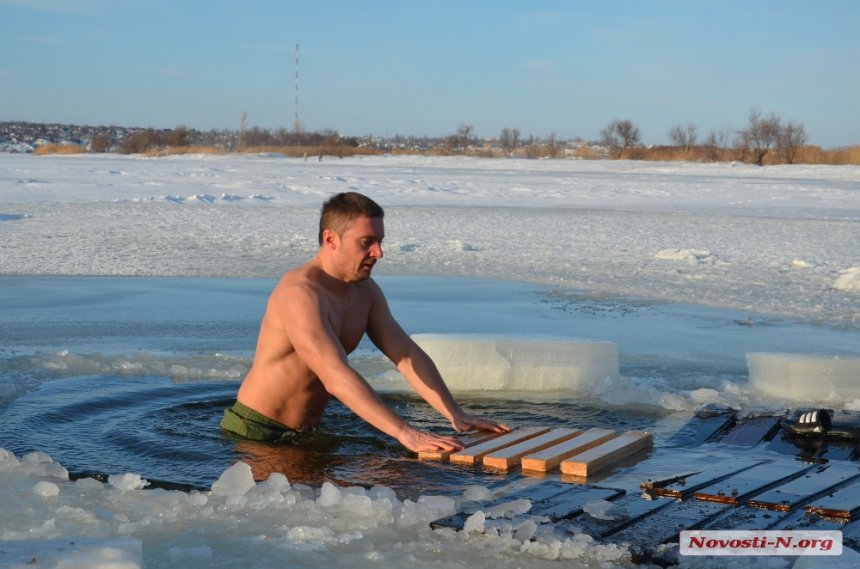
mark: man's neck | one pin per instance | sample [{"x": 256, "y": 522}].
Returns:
[{"x": 327, "y": 278}]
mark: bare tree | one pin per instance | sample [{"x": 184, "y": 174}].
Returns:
[
  {"x": 715, "y": 144},
  {"x": 509, "y": 140},
  {"x": 181, "y": 137},
  {"x": 791, "y": 139},
  {"x": 464, "y": 136},
  {"x": 619, "y": 135},
  {"x": 759, "y": 137},
  {"x": 553, "y": 147},
  {"x": 684, "y": 137}
]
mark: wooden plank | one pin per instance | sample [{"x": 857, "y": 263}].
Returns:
[
  {"x": 843, "y": 504},
  {"x": 643, "y": 538},
  {"x": 683, "y": 486},
  {"x": 570, "y": 503},
  {"x": 739, "y": 488},
  {"x": 650, "y": 484},
  {"x": 550, "y": 458},
  {"x": 537, "y": 493},
  {"x": 547, "y": 502},
  {"x": 468, "y": 440},
  {"x": 474, "y": 454},
  {"x": 505, "y": 458},
  {"x": 813, "y": 483},
  {"x": 587, "y": 463},
  {"x": 634, "y": 505},
  {"x": 707, "y": 423},
  {"x": 752, "y": 431}
]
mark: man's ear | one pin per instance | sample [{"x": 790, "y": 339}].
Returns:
[{"x": 330, "y": 238}]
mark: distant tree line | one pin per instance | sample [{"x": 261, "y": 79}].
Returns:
[{"x": 763, "y": 137}]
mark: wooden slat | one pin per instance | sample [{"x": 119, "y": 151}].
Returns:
[
  {"x": 844, "y": 504},
  {"x": 635, "y": 507},
  {"x": 705, "y": 425},
  {"x": 643, "y": 538},
  {"x": 811, "y": 484},
  {"x": 508, "y": 457},
  {"x": 549, "y": 459},
  {"x": 587, "y": 463},
  {"x": 652, "y": 484},
  {"x": 739, "y": 488},
  {"x": 468, "y": 440},
  {"x": 752, "y": 431},
  {"x": 544, "y": 492},
  {"x": 684, "y": 485},
  {"x": 474, "y": 454},
  {"x": 570, "y": 503}
]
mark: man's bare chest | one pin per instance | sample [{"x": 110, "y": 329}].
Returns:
[{"x": 349, "y": 322}]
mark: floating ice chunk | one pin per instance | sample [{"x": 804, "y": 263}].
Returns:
[
  {"x": 88, "y": 485},
  {"x": 805, "y": 377},
  {"x": 380, "y": 492},
  {"x": 329, "y": 495},
  {"x": 8, "y": 460},
  {"x": 481, "y": 362},
  {"x": 40, "y": 464},
  {"x": 849, "y": 280},
  {"x": 510, "y": 509},
  {"x": 425, "y": 510},
  {"x": 235, "y": 481},
  {"x": 278, "y": 481},
  {"x": 436, "y": 506},
  {"x": 604, "y": 510},
  {"x": 475, "y": 523},
  {"x": 477, "y": 494},
  {"x": 525, "y": 531},
  {"x": 46, "y": 489},
  {"x": 128, "y": 481}
]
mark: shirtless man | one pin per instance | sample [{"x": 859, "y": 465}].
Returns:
[{"x": 316, "y": 315}]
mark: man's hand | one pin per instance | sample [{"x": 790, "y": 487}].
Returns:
[
  {"x": 465, "y": 423},
  {"x": 421, "y": 441}
]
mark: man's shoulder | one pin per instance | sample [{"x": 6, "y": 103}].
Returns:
[{"x": 296, "y": 282}]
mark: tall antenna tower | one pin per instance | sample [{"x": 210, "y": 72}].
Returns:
[{"x": 297, "y": 126}]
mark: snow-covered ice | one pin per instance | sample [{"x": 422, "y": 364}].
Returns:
[{"x": 779, "y": 241}]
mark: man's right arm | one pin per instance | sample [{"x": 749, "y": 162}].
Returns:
[{"x": 320, "y": 350}]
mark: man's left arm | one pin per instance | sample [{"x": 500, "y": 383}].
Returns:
[{"x": 418, "y": 368}]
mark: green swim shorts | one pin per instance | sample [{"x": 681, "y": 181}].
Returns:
[{"x": 243, "y": 421}]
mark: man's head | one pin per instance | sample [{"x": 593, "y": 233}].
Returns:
[
  {"x": 342, "y": 208},
  {"x": 351, "y": 234}
]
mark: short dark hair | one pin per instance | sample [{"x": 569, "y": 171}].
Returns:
[{"x": 340, "y": 209}]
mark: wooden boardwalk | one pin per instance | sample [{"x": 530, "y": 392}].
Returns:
[{"x": 741, "y": 472}]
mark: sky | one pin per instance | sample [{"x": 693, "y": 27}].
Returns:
[{"x": 384, "y": 68}]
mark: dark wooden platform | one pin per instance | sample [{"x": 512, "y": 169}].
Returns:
[{"x": 740, "y": 471}]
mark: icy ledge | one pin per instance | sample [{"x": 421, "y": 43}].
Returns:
[{"x": 812, "y": 378}]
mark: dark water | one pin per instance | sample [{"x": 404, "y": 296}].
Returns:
[{"x": 168, "y": 432}]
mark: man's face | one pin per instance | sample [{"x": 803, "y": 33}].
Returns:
[{"x": 360, "y": 247}]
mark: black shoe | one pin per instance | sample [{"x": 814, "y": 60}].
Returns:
[{"x": 817, "y": 422}]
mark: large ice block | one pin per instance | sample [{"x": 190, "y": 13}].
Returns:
[
  {"x": 805, "y": 377},
  {"x": 482, "y": 362}
]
